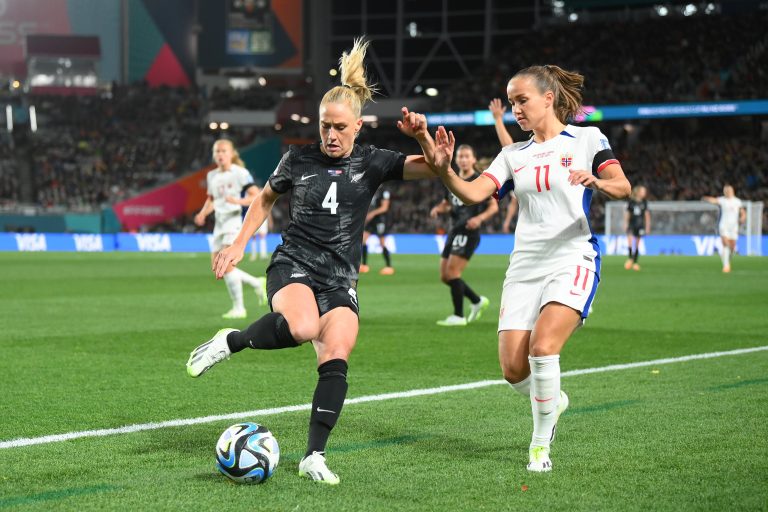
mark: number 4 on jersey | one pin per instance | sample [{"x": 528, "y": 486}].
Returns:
[{"x": 330, "y": 199}]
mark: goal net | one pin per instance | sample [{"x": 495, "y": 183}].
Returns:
[{"x": 689, "y": 218}]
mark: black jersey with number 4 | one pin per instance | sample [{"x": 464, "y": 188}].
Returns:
[
  {"x": 461, "y": 213},
  {"x": 329, "y": 199}
]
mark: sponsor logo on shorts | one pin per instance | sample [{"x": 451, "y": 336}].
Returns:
[{"x": 297, "y": 274}]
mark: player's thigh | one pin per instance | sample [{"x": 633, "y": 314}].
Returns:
[
  {"x": 296, "y": 302},
  {"x": 455, "y": 266},
  {"x": 554, "y": 326},
  {"x": 338, "y": 335},
  {"x": 513, "y": 354}
]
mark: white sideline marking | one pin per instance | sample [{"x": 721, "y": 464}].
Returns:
[{"x": 57, "y": 438}]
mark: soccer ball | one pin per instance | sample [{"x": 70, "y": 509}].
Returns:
[{"x": 247, "y": 453}]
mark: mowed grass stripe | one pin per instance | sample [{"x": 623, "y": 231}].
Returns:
[{"x": 56, "y": 438}]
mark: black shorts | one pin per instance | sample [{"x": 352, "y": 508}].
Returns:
[
  {"x": 461, "y": 243},
  {"x": 377, "y": 227},
  {"x": 636, "y": 231},
  {"x": 327, "y": 296}
]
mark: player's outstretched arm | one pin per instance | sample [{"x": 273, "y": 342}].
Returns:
[
  {"x": 258, "y": 211},
  {"x": 497, "y": 109},
  {"x": 442, "y": 207},
  {"x": 469, "y": 192},
  {"x": 710, "y": 200},
  {"x": 417, "y": 166},
  {"x": 611, "y": 182}
]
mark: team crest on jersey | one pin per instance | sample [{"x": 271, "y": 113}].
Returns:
[
  {"x": 566, "y": 160},
  {"x": 604, "y": 143},
  {"x": 335, "y": 172}
]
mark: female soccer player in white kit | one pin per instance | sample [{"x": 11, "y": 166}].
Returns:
[
  {"x": 732, "y": 213},
  {"x": 225, "y": 184},
  {"x": 554, "y": 268}
]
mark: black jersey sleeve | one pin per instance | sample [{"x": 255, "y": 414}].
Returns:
[
  {"x": 389, "y": 163},
  {"x": 281, "y": 180}
]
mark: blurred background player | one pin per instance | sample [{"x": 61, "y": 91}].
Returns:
[
  {"x": 225, "y": 185},
  {"x": 637, "y": 224},
  {"x": 732, "y": 213},
  {"x": 376, "y": 222},
  {"x": 312, "y": 278},
  {"x": 554, "y": 268},
  {"x": 259, "y": 240},
  {"x": 462, "y": 241}
]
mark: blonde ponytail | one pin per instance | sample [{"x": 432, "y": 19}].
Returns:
[
  {"x": 354, "y": 89},
  {"x": 565, "y": 85}
]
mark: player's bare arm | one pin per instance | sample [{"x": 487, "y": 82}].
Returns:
[
  {"x": 611, "y": 182},
  {"x": 258, "y": 211},
  {"x": 497, "y": 109},
  {"x": 478, "y": 220},
  {"x": 469, "y": 192},
  {"x": 204, "y": 212},
  {"x": 442, "y": 207},
  {"x": 417, "y": 166}
]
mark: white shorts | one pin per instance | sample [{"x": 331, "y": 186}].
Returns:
[
  {"x": 222, "y": 240},
  {"x": 730, "y": 232},
  {"x": 521, "y": 301}
]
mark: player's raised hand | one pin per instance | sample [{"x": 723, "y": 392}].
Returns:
[
  {"x": 412, "y": 124},
  {"x": 584, "y": 178},
  {"x": 497, "y": 108},
  {"x": 444, "y": 144},
  {"x": 226, "y": 260}
]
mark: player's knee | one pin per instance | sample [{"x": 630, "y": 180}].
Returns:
[
  {"x": 544, "y": 347},
  {"x": 304, "y": 328},
  {"x": 515, "y": 373}
]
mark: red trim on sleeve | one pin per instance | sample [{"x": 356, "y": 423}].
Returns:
[
  {"x": 607, "y": 163},
  {"x": 495, "y": 181}
]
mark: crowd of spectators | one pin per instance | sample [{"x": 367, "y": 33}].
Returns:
[
  {"x": 9, "y": 175},
  {"x": 660, "y": 60},
  {"x": 94, "y": 150}
]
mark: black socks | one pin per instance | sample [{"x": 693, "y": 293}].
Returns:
[
  {"x": 327, "y": 403},
  {"x": 387, "y": 259},
  {"x": 267, "y": 333},
  {"x": 459, "y": 290}
]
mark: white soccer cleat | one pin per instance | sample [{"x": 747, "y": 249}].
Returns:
[
  {"x": 235, "y": 314},
  {"x": 209, "y": 353},
  {"x": 539, "y": 459},
  {"x": 314, "y": 468},
  {"x": 261, "y": 290},
  {"x": 562, "y": 405},
  {"x": 453, "y": 321},
  {"x": 476, "y": 310}
]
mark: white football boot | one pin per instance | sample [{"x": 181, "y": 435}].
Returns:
[
  {"x": 476, "y": 310},
  {"x": 314, "y": 467},
  {"x": 453, "y": 321},
  {"x": 235, "y": 314},
  {"x": 539, "y": 459},
  {"x": 209, "y": 353}
]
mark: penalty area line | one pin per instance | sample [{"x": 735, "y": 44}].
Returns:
[{"x": 128, "y": 429}]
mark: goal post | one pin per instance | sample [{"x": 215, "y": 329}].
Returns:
[{"x": 689, "y": 218}]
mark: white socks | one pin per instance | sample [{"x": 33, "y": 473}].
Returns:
[
  {"x": 545, "y": 395},
  {"x": 246, "y": 278},
  {"x": 725, "y": 255},
  {"x": 235, "y": 288},
  {"x": 523, "y": 387},
  {"x": 263, "y": 248}
]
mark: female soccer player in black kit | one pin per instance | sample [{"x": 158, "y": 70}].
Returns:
[
  {"x": 462, "y": 241},
  {"x": 637, "y": 224},
  {"x": 312, "y": 278}
]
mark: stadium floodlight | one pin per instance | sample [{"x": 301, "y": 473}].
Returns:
[
  {"x": 418, "y": 89},
  {"x": 709, "y": 9},
  {"x": 689, "y": 10},
  {"x": 213, "y": 126},
  {"x": 15, "y": 84},
  {"x": 9, "y": 118},
  {"x": 278, "y": 127},
  {"x": 288, "y": 93},
  {"x": 224, "y": 125},
  {"x": 295, "y": 117},
  {"x": 573, "y": 17},
  {"x": 333, "y": 72},
  {"x": 431, "y": 91},
  {"x": 305, "y": 120},
  {"x": 661, "y": 10},
  {"x": 262, "y": 81}
]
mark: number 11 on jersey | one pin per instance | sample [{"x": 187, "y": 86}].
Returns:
[{"x": 330, "y": 199}]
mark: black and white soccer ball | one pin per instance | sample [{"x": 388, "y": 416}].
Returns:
[{"x": 247, "y": 453}]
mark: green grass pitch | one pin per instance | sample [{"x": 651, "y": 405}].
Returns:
[{"x": 92, "y": 341}]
